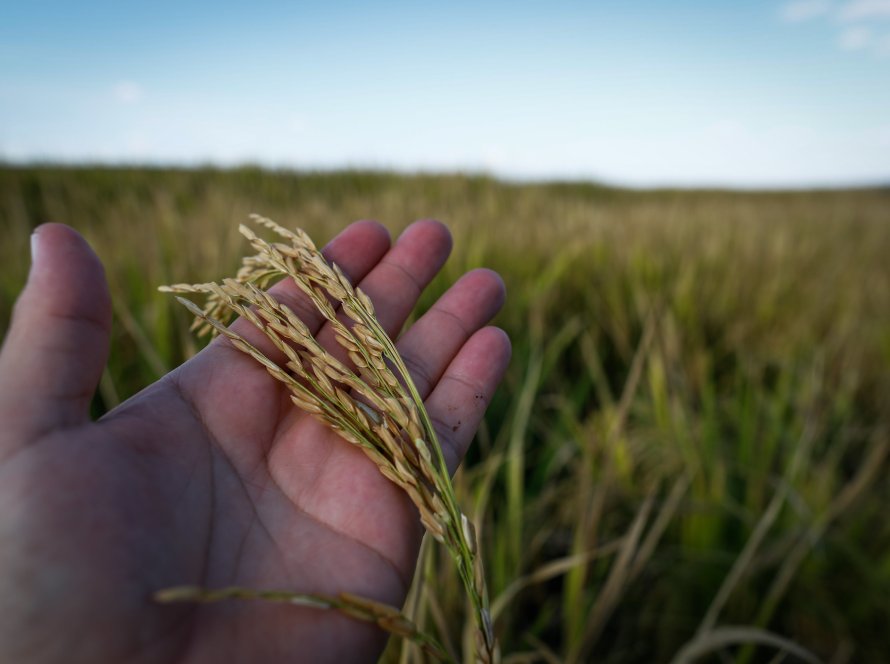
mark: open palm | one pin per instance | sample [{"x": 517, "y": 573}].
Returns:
[{"x": 211, "y": 476}]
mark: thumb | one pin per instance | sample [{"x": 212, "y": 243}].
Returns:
[{"x": 57, "y": 344}]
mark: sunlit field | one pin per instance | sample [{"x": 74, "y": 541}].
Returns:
[{"x": 688, "y": 457}]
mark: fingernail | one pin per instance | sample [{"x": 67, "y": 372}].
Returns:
[{"x": 34, "y": 243}]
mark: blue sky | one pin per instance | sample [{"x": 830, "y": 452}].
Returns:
[{"x": 758, "y": 93}]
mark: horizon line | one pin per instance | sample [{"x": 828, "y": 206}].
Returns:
[{"x": 468, "y": 172}]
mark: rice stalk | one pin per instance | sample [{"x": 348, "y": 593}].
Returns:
[
  {"x": 383, "y": 615},
  {"x": 372, "y": 402}
]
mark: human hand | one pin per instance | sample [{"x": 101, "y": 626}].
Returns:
[{"x": 211, "y": 476}]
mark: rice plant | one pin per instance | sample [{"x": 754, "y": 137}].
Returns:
[
  {"x": 688, "y": 452},
  {"x": 371, "y": 401}
]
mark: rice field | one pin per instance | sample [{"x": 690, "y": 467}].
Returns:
[{"x": 688, "y": 458}]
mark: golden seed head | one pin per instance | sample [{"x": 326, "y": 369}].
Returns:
[{"x": 365, "y": 400}]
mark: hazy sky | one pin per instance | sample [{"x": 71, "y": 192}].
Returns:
[{"x": 711, "y": 92}]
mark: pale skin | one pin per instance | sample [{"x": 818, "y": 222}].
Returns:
[{"x": 211, "y": 476}]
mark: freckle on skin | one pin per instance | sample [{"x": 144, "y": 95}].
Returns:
[{"x": 456, "y": 426}]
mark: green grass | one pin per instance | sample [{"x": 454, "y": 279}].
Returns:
[{"x": 694, "y": 430}]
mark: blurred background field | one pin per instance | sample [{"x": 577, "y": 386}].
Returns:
[{"x": 690, "y": 450}]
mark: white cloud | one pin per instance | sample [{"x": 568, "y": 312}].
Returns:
[
  {"x": 855, "y": 39},
  {"x": 861, "y": 10},
  {"x": 804, "y": 10},
  {"x": 855, "y": 20},
  {"x": 128, "y": 92}
]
